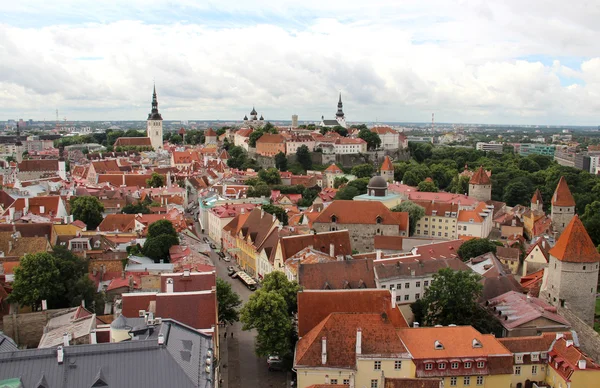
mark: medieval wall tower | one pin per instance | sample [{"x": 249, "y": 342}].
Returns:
[
  {"x": 563, "y": 206},
  {"x": 480, "y": 185}
]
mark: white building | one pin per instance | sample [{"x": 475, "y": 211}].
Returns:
[
  {"x": 490, "y": 147},
  {"x": 154, "y": 127}
]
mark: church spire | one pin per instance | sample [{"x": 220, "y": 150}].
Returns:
[
  {"x": 154, "y": 115},
  {"x": 340, "y": 112}
]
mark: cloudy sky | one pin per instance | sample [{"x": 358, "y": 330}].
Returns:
[{"x": 509, "y": 61}]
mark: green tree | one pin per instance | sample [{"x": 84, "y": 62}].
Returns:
[
  {"x": 428, "y": 187},
  {"x": 161, "y": 227},
  {"x": 176, "y": 139},
  {"x": 138, "y": 208},
  {"x": 260, "y": 190},
  {"x": 340, "y": 130},
  {"x": 10, "y": 158},
  {"x": 517, "y": 193},
  {"x": 157, "y": 248},
  {"x": 278, "y": 212},
  {"x": 267, "y": 313},
  {"x": 36, "y": 280},
  {"x": 373, "y": 140},
  {"x": 281, "y": 161},
  {"x": 156, "y": 180},
  {"x": 421, "y": 151},
  {"x": 270, "y": 310},
  {"x": 451, "y": 298},
  {"x": 415, "y": 213},
  {"x": 591, "y": 221},
  {"x": 270, "y": 176},
  {"x": 360, "y": 184},
  {"x": 476, "y": 247},
  {"x": 228, "y": 301},
  {"x": 363, "y": 170},
  {"x": 347, "y": 193},
  {"x": 254, "y": 136},
  {"x": 88, "y": 209},
  {"x": 339, "y": 181},
  {"x": 303, "y": 157}
]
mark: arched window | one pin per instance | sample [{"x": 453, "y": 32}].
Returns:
[
  {"x": 379, "y": 220},
  {"x": 333, "y": 218}
]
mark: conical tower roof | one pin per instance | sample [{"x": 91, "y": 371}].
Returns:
[
  {"x": 575, "y": 245},
  {"x": 537, "y": 197},
  {"x": 562, "y": 195},
  {"x": 480, "y": 177},
  {"x": 387, "y": 164}
]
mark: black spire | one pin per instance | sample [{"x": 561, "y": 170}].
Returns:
[
  {"x": 340, "y": 112},
  {"x": 154, "y": 115},
  {"x": 18, "y": 142}
]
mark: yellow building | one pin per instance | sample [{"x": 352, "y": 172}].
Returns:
[
  {"x": 356, "y": 349},
  {"x": 460, "y": 355},
  {"x": 568, "y": 367},
  {"x": 257, "y": 227},
  {"x": 439, "y": 220},
  {"x": 537, "y": 257}
]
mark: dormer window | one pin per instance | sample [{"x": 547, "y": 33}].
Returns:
[
  {"x": 467, "y": 365},
  {"x": 519, "y": 358},
  {"x": 480, "y": 364},
  {"x": 333, "y": 218},
  {"x": 379, "y": 220},
  {"x": 438, "y": 345},
  {"x": 535, "y": 356},
  {"x": 476, "y": 343},
  {"x": 442, "y": 365},
  {"x": 428, "y": 366}
]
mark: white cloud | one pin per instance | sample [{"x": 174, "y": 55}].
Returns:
[{"x": 471, "y": 61}]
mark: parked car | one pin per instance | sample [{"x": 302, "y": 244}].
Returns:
[
  {"x": 231, "y": 271},
  {"x": 274, "y": 363}
]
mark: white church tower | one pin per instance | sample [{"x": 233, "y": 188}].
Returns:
[
  {"x": 339, "y": 116},
  {"x": 155, "y": 125}
]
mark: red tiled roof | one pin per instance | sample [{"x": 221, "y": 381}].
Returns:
[
  {"x": 521, "y": 310},
  {"x": 390, "y": 243},
  {"x": 575, "y": 245},
  {"x": 562, "y": 195},
  {"x": 412, "y": 383},
  {"x": 480, "y": 178},
  {"x": 290, "y": 245},
  {"x": 113, "y": 179},
  {"x": 196, "y": 281},
  {"x": 210, "y": 132},
  {"x": 195, "y": 309},
  {"x": 333, "y": 168},
  {"x": 362, "y": 212},
  {"x": 382, "y": 130},
  {"x": 337, "y": 275},
  {"x": 532, "y": 344},
  {"x": 378, "y": 337},
  {"x": 387, "y": 164},
  {"x": 537, "y": 197},
  {"x": 38, "y": 165},
  {"x": 271, "y": 138},
  {"x": 133, "y": 141},
  {"x": 105, "y": 166},
  {"x": 511, "y": 254},
  {"x": 120, "y": 222},
  {"x": 567, "y": 356},
  {"x": 314, "y": 306}
]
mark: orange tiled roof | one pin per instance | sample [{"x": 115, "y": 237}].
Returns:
[
  {"x": 537, "y": 197},
  {"x": 480, "y": 178},
  {"x": 562, "y": 195},
  {"x": 339, "y": 329},
  {"x": 457, "y": 341},
  {"x": 362, "y": 212},
  {"x": 333, "y": 168},
  {"x": 210, "y": 132},
  {"x": 387, "y": 164},
  {"x": 575, "y": 245},
  {"x": 133, "y": 141},
  {"x": 120, "y": 222},
  {"x": 314, "y": 306}
]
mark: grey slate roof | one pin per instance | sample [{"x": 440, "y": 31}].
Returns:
[
  {"x": 331, "y": 122},
  {"x": 180, "y": 362},
  {"x": 7, "y": 344}
]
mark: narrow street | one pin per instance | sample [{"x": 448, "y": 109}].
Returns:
[{"x": 242, "y": 368}]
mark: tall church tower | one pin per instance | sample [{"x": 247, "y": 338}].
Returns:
[
  {"x": 480, "y": 185},
  {"x": 563, "y": 206},
  {"x": 19, "y": 145},
  {"x": 573, "y": 272},
  {"x": 154, "y": 126},
  {"x": 339, "y": 116}
]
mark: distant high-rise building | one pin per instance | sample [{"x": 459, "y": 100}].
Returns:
[
  {"x": 155, "y": 124},
  {"x": 294, "y": 121}
]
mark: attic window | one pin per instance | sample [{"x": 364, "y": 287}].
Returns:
[
  {"x": 438, "y": 345},
  {"x": 333, "y": 218},
  {"x": 379, "y": 220},
  {"x": 476, "y": 343}
]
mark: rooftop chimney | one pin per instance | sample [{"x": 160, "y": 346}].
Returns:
[
  {"x": 393, "y": 291},
  {"x": 359, "y": 341},
  {"x": 60, "y": 355},
  {"x": 415, "y": 324},
  {"x": 66, "y": 339},
  {"x": 378, "y": 254},
  {"x": 186, "y": 273},
  {"x": 169, "y": 285},
  {"x": 569, "y": 343},
  {"x": 331, "y": 250},
  {"x": 42, "y": 209},
  {"x": 161, "y": 339},
  {"x": 582, "y": 364},
  {"x": 324, "y": 350},
  {"x": 93, "y": 338}
]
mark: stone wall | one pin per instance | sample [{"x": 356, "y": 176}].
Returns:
[
  {"x": 481, "y": 192},
  {"x": 27, "y": 329},
  {"x": 265, "y": 161},
  {"x": 589, "y": 339},
  {"x": 361, "y": 235},
  {"x": 561, "y": 216},
  {"x": 110, "y": 265}
]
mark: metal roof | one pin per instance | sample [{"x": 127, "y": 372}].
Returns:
[{"x": 179, "y": 362}]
